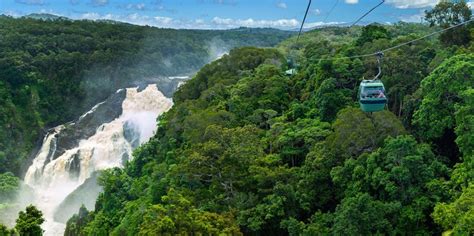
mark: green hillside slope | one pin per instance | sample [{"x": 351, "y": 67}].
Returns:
[
  {"x": 247, "y": 150},
  {"x": 51, "y": 71}
]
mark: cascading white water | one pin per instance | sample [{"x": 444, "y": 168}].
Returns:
[{"x": 52, "y": 179}]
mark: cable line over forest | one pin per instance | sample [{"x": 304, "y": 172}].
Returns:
[
  {"x": 380, "y": 51},
  {"x": 371, "y": 93},
  {"x": 330, "y": 11},
  {"x": 304, "y": 19},
  {"x": 362, "y": 17},
  {"x": 291, "y": 61},
  {"x": 398, "y": 45}
]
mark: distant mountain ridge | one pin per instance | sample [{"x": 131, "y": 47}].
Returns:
[
  {"x": 53, "y": 17},
  {"x": 45, "y": 16}
]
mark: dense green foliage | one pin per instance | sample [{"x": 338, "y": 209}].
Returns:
[
  {"x": 246, "y": 149},
  {"x": 458, "y": 215},
  {"x": 51, "y": 71},
  {"x": 9, "y": 189},
  {"x": 442, "y": 97},
  {"x": 28, "y": 223},
  {"x": 4, "y": 231},
  {"x": 449, "y": 13},
  {"x": 9, "y": 185},
  {"x": 77, "y": 222}
]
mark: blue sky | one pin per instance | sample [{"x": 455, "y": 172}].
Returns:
[{"x": 222, "y": 14}]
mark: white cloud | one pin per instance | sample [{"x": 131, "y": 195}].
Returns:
[
  {"x": 138, "y": 6},
  {"x": 99, "y": 2},
  {"x": 471, "y": 5},
  {"x": 352, "y": 1},
  {"x": 222, "y": 21},
  {"x": 31, "y": 2},
  {"x": 96, "y": 16},
  {"x": 316, "y": 12},
  {"x": 139, "y": 19},
  {"x": 310, "y": 25},
  {"x": 404, "y": 4},
  {"x": 221, "y": 2},
  {"x": 413, "y": 18},
  {"x": 161, "y": 20},
  {"x": 133, "y": 16},
  {"x": 282, "y": 5},
  {"x": 233, "y": 23},
  {"x": 214, "y": 23},
  {"x": 50, "y": 11},
  {"x": 90, "y": 16},
  {"x": 228, "y": 2},
  {"x": 11, "y": 13}
]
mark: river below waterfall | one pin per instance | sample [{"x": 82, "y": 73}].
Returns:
[{"x": 64, "y": 171}]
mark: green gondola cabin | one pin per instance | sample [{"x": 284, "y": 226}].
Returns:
[
  {"x": 290, "y": 72},
  {"x": 372, "y": 96},
  {"x": 291, "y": 67}
]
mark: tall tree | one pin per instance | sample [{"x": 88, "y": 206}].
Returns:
[
  {"x": 29, "y": 222},
  {"x": 403, "y": 181},
  {"x": 4, "y": 231},
  {"x": 457, "y": 217},
  {"x": 372, "y": 32},
  {"x": 444, "y": 91},
  {"x": 177, "y": 216},
  {"x": 449, "y": 13}
]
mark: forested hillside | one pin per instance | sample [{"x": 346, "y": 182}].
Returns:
[
  {"x": 248, "y": 150},
  {"x": 53, "y": 70}
]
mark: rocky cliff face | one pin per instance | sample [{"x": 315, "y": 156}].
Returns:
[
  {"x": 64, "y": 172},
  {"x": 85, "y": 194},
  {"x": 87, "y": 124}
]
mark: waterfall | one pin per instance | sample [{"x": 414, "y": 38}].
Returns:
[{"x": 72, "y": 153}]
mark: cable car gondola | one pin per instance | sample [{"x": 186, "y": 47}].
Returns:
[
  {"x": 372, "y": 96},
  {"x": 291, "y": 63},
  {"x": 291, "y": 67}
]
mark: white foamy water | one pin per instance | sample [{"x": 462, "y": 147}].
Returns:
[{"x": 52, "y": 180}]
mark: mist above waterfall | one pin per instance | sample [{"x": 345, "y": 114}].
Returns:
[
  {"x": 66, "y": 166},
  {"x": 217, "y": 48},
  {"x": 153, "y": 67},
  {"x": 9, "y": 208}
]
